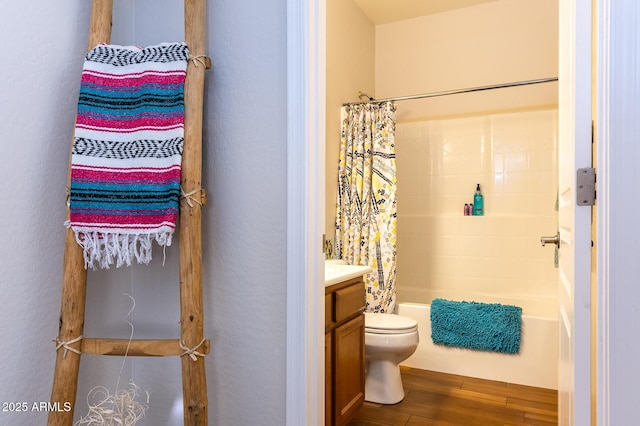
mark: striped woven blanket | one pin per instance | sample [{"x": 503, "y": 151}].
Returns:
[{"x": 127, "y": 152}]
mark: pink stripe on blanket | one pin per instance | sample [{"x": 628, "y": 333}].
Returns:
[
  {"x": 141, "y": 169},
  {"x": 132, "y": 82},
  {"x": 114, "y": 221},
  {"x": 80, "y": 174},
  {"x": 140, "y": 74},
  {"x": 116, "y": 126},
  {"x": 137, "y": 129}
]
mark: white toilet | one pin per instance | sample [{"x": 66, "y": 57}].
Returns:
[{"x": 388, "y": 340}]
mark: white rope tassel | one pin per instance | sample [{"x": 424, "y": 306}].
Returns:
[
  {"x": 62, "y": 344},
  {"x": 192, "y": 352},
  {"x": 189, "y": 196},
  {"x": 118, "y": 409}
]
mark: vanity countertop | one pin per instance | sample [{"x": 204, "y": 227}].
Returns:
[{"x": 336, "y": 271}]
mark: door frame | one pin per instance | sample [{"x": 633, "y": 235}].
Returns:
[
  {"x": 575, "y": 112},
  {"x": 306, "y": 89},
  {"x": 618, "y": 236}
]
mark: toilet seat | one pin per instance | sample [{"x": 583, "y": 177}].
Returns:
[{"x": 375, "y": 323}]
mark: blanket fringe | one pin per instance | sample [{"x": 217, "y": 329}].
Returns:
[{"x": 102, "y": 250}]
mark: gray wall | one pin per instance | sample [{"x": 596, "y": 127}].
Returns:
[{"x": 244, "y": 223}]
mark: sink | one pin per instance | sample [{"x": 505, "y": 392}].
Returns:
[{"x": 336, "y": 271}]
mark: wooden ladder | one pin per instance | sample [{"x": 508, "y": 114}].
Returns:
[{"x": 194, "y": 385}]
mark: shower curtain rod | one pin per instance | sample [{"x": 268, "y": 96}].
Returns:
[{"x": 452, "y": 92}]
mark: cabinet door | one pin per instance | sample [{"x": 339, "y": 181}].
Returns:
[{"x": 349, "y": 369}]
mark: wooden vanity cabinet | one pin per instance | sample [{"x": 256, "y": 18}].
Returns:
[{"x": 344, "y": 350}]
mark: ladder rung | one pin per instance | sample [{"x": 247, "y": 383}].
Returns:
[{"x": 137, "y": 347}]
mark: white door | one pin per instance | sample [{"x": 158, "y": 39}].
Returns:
[{"x": 574, "y": 376}]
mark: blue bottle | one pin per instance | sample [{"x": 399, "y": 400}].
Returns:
[{"x": 478, "y": 202}]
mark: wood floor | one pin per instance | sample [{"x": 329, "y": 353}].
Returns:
[{"x": 446, "y": 400}]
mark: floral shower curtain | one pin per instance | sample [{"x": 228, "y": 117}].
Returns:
[{"x": 366, "y": 201}]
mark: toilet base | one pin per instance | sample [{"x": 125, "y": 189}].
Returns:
[{"x": 383, "y": 384}]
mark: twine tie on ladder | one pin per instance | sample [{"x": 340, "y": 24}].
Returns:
[
  {"x": 193, "y": 353},
  {"x": 65, "y": 344},
  {"x": 67, "y": 191},
  {"x": 189, "y": 196},
  {"x": 198, "y": 58}
]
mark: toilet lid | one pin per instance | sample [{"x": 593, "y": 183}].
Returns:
[{"x": 388, "y": 323}]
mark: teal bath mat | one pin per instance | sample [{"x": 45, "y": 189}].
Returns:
[{"x": 473, "y": 325}]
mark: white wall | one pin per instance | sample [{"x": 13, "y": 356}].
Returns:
[
  {"x": 498, "y": 42},
  {"x": 40, "y": 66},
  {"x": 244, "y": 224},
  {"x": 350, "y": 68},
  {"x": 245, "y": 233}
]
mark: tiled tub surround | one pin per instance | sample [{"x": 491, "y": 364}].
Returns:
[{"x": 493, "y": 258}]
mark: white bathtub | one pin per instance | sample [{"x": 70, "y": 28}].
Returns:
[{"x": 535, "y": 365}]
